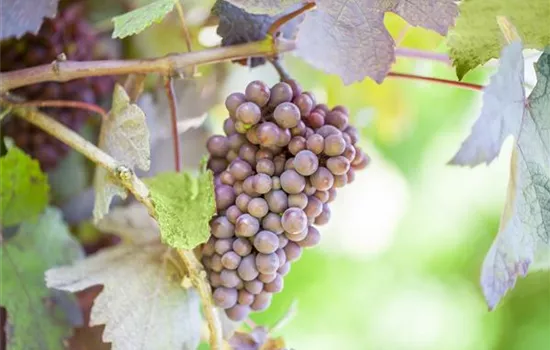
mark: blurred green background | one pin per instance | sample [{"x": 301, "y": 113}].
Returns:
[{"x": 399, "y": 263}]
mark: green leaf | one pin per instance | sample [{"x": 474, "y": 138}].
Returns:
[
  {"x": 139, "y": 19},
  {"x": 24, "y": 189},
  {"x": 142, "y": 305},
  {"x": 38, "y": 318},
  {"x": 124, "y": 136},
  {"x": 476, "y": 37},
  {"x": 184, "y": 205}
]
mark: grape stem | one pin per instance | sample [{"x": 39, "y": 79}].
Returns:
[
  {"x": 131, "y": 182},
  {"x": 171, "y": 65},
  {"x": 64, "y": 104},
  {"x": 169, "y": 87},
  {"x": 459, "y": 84},
  {"x": 133, "y": 85}
]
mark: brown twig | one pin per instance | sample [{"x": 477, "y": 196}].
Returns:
[
  {"x": 274, "y": 28},
  {"x": 169, "y": 87},
  {"x": 459, "y": 84},
  {"x": 64, "y": 104},
  {"x": 61, "y": 71},
  {"x": 185, "y": 30}
]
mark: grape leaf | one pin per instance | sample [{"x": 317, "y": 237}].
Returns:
[
  {"x": 270, "y": 7},
  {"x": 142, "y": 303},
  {"x": 136, "y": 21},
  {"x": 476, "y": 37},
  {"x": 38, "y": 318},
  {"x": 132, "y": 223},
  {"x": 349, "y": 38},
  {"x": 24, "y": 189},
  {"x": 124, "y": 136},
  {"x": 238, "y": 26},
  {"x": 503, "y": 101},
  {"x": 184, "y": 205},
  {"x": 524, "y": 234},
  {"x": 21, "y": 16}
]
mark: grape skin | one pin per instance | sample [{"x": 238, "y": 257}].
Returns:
[
  {"x": 334, "y": 145},
  {"x": 221, "y": 227},
  {"x": 280, "y": 92},
  {"x": 292, "y": 251},
  {"x": 257, "y": 92},
  {"x": 248, "y": 113},
  {"x": 322, "y": 179},
  {"x": 275, "y": 286},
  {"x": 242, "y": 246},
  {"x": 265, "y": 166},
  {"x": 261, "y": 301},
  {"x": 298, "y": 200},
  {"x": 268, "y": 134},
  {"x": 229, "y": 278},
  {"x": 292, "y": 182},
  {"x": 338, "y": 165},
  {"x": 287, "y": 115},
  {"x": 217, "y": 146},
  {"x": 315, "y": 143},
  {"x": 294, "y": 220},
  {"x": 233, "y": 101},
  {"x": 277, "y": 201},
  {"x": 247, "y": 268},
  {"x": 225, "y": 297},
  {"x": 272, "y": 222},
  {"x": 258, "y": 207},
  {"x": 267, "y": 277},
  {"x": 232, "y": 213},
  {"x": 312, "y": 239},
  {"x": 266, "y": 242},
  {"x": 238, "y": 312},
  {"x": 231, "y": 260},
  {"x": 245, "y": 298},
  {"x": 254, "y": 286},
  {"x": 306, "y": 162},
  {"x": 297, "y": 144},
  {"x": 223, "y": 245},
  {"x": 242, "y": 201},
  {"x": 267, "y": 263},
  {"x": 246, "y": 225}
]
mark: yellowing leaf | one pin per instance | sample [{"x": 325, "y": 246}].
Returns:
[
  {"x": 142, "y": 303},
  {"x": 524, "y": 234},
  {"x": 124, "y": 136},
  {"x": 24, "y": 189},
  {"x": 38, "y": 318},
  {"x": 184, "y": 205},
  {"x": 139, "y": 19},
  {"x": 476, "y": 37}
]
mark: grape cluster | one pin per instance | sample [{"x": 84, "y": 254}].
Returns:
[
  {"x": 69, "y": 33},
  {"x": 276, "y": 171}
]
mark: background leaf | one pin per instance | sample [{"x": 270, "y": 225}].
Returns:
[
  {"x": 184, "y": 205},
  {"x": 124, "y": 136},
  {"x": 142, "y": 303},
  {"x": 476, "y": 37},
  {"x": 24, "y": 188},
  {"x": 139, "y": 19},
  {"x": 21, "y": 16},
  {"x": 38, "y": 318},
  {"x": 270, "y": 7}
]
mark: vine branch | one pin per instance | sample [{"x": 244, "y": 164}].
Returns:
[
  {"x": 170, "y": 65},
  {"x": 64, "y": 104}
]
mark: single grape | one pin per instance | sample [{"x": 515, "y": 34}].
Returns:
[
  {"x": 284, "y": 269},
  {"x": 338, "y": 165},
  {"x": 261, "y": 301},
  {"x": 264, "y": 154},
  {"x": 231, "y": 260},
  {"x": 331, "y": 195},
  {"x": 314, "y": 207},
  {"x": 294, "y": 220},
  {"x": 304, "y": 102},
  {"x": 340, "y": 180},
  {"x": 267, "y": 263},
  {"x": 265, "y": 166},
  {"x": 261, "y": 183},
  {"x": 298, "y": 200},
  {"x": 232, "y": 213},
  {"x": 225, "y": 297},
  {"x": 292, "y": 251},
  {"x": 229, "y": 278},
  {"x": 353, "y": 134},
  {"x": 306, "y": 162},
  {"x": 324, "y": 217},
  {"x": 337, "y": 119},
  {"x": 284, "y": 138},
  {"x": 280, "y": 93},
  {"x": 299, "y": 130},
  {"x": 226, "y": 178},
  {"x": 268, "y": 134},
  {"x": 315, "y": 143},
  {"x": 236, "y": 141},
  {"x": 277, "y": 201},
  {"x": 297, "y": 237},
  {"x": 225, "y": 197},
  {"x": 349, "y": 152},
  {"x": 240, "y": 169},
  {"x": 283, "y": 241},
  {"x": 276, "y": 182},
  {"x": 242, "y": 201},
  {"x": 347, "y": 138},
  {"x": 266, "y": 242},
  {"x": 322, "y": 179},
  {"x": 275, "y": 286},
  {"x": 267, "y": 277},
  {"x": 248, "y": 113},
  {"x": 258, "y": 207},
  {"x": 241, "y": 127},
  {"x": 322, "y": 196},
  {"x": 247, "y": 268},
  {"x": 217, "y": 165},
  {"x": 272, "y": 222},
  {"x": 233, "y": 101},
  {"x": 334, "y": 145},
  {"x": 292, "y": 182},
  {"x": 215, "y": 279},
  {"x": 257, "y": 92},
  {"x": 229, "y": 127},
  {"x": 217, "y": 146},
  {"x": 208, "y": 247},
  {"x": 287, "y": 115},
  {"x": 315, "y": 120},
  {"x": 245, "y": 298},
  {"x": 248, "y": 187},
  {"x": 309, "y": 189},
  {"x": 223, "y": 245},
  {"x": 252, "y": 135},
  {"x": 242, "y": 246},
  {"x": 297, "y": 144},
  {"x": 254, "y": 286},
  {"x": 238, "y": 312},
  {"x": 221, "y": 227},
  {"x": 246, "y": 225},
  {"x": 289, "y": 164},
  {"x": 281, "y": 255},
  {"x": 327, "y": 130},
  {"x": 279, "y": 162},
  {"x": 248, "y": 154},
  {"x": 216, "y": 263},
  {"x": 312, "y": 239},
  {"x": 350, "y": 175}
]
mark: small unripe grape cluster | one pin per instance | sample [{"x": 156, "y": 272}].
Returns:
[{"x": 276, "y": 171}]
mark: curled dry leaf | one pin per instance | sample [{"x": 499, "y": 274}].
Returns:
[{"x": 124, "y": 136}]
